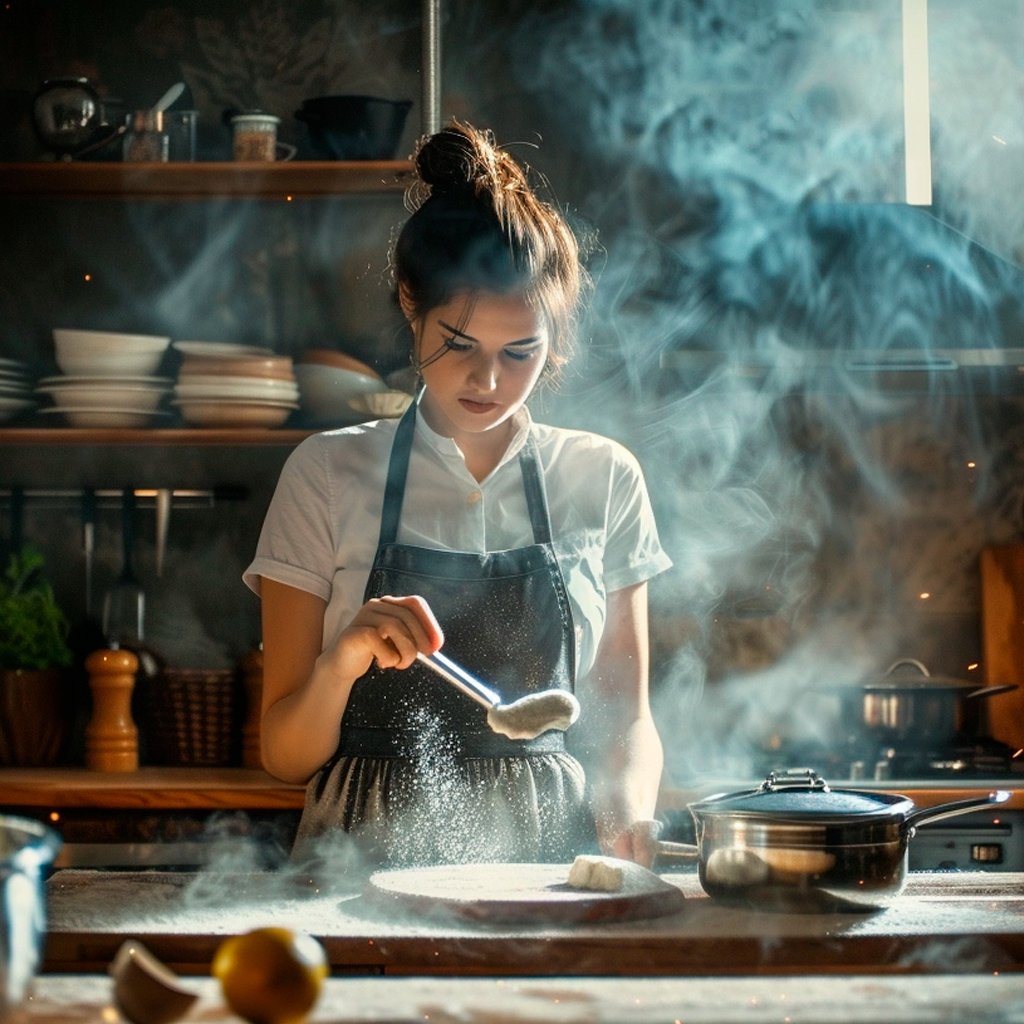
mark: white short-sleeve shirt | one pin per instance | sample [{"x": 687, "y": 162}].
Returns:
[{"x": 321, "y": 530}]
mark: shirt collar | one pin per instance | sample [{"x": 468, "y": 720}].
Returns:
[{"x": 448, "y": 449}]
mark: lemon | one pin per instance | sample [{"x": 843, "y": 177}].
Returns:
[{"x": 270, "y": 975}]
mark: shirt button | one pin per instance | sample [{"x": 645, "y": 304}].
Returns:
[{"x": 473, "y": 497}]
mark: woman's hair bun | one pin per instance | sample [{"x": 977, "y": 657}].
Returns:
[{"x": 448, "y": 161}]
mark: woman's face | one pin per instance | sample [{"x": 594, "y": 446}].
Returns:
[{"x": 480, "y": 357}]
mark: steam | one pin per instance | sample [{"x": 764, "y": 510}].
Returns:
[{"x": 746, "y": 168}]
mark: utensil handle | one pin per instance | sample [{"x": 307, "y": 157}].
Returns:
[
  {"x": 940, "y": 811},
  {"x": 127, "y": 531},
  {"x": 676, "y": 851},
  {"x": 164, "y": 499},
  {"x": 460, "y": 678},
  {"x": 88, "y": 541}
]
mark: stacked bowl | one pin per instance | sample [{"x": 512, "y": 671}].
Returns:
[
  {"x": 107, "y": 379},
  {"x": 338, "y": 390},
  {"x": 225, "y": 385},
  {"x": 15, "y": 391}
]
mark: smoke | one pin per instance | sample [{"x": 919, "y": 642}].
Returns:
[{"x": 744, "y": 162}]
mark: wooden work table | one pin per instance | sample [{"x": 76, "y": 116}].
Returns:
[
  {"x": 905, "y": 999},
  {"x": 942, "y": 923}
]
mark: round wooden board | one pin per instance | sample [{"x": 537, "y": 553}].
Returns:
[{"x": 521, "y": 894}]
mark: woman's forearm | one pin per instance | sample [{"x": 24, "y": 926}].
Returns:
[
  {"x": 627, "y": 776},
  {"x": 300, "y": 730}
]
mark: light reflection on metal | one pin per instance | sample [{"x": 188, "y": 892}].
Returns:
[{"x": 916, "y": 104}]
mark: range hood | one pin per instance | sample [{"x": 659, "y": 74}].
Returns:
[{"x": 910, "y": 371}]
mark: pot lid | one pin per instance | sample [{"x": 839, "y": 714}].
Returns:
[
  {"x": 800, "y": 794},
  {"x": 911, "y": 675}
]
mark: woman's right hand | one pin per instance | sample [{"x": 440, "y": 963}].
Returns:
[
  {"x": 390, "y": 631},
  {"x": 306, "y": 690}
]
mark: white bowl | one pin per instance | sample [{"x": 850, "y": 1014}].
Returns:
[
  {"x": 130, "y": 396},
  {"x": 325, "y": 392},
  {"x": 382, "y": 405},
  {"x": 108, "y": 354}
]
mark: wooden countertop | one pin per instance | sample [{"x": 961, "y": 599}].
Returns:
[
  {"x": 247, "y": 789},
  {"x": 765, "y": 1000},
  {"x": 147, "y": 788},
  {"x": 941, "y": 923}
]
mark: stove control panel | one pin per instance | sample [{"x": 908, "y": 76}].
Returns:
[{"x": 973, "y": 842}]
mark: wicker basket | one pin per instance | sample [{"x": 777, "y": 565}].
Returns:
[{"x": 192, "y": 717}]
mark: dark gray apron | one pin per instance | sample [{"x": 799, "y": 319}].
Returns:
[{"x": 417, "y": 770}]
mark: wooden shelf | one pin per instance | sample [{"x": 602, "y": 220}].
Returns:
[
  {"x": 278, "y": 181},
  {"x": 172, "y": 437},
  {"x": 147, "y": 788}
]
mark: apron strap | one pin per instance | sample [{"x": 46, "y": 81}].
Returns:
[
  {"x": 398, "y": 469},
  {"x": 536, "y": 495}
]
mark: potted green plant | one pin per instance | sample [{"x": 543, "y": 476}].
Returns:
[{"x": 34, "y": 656}]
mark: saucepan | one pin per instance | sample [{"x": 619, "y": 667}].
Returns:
[
  {"x": 795, "y": 844},
  {"x": 910, "y": 706},
  {"x": 27, "y": 848}
]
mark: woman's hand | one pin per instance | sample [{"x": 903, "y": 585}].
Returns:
[
  {"x": 637, "y": 842},
  {"x": 390, "y": 631},
  {"x": 306, "y": 691}
]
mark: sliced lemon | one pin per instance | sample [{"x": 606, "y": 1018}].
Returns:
[{"x": 270, "y": 975}]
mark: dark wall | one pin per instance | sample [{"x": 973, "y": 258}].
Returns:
[{"x": 743, "y": 177}]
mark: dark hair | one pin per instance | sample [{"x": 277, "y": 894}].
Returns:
[{"x": 478, "y": 225}]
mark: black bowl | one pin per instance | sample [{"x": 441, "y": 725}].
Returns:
[{"x": 354, "y": 127}]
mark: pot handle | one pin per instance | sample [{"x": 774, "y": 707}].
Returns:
[
  {"x": 676, "y": 851},
  {"x": 991, "y": 691},
  {"x": 900, "y": 662},
  {"x": 940, "y": 811}
]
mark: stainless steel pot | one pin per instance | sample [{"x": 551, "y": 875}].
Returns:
[
  {"x": 27, "y": 849},
  {"x": 908, "y": 705},
  {"x": 796, "y": 844}
]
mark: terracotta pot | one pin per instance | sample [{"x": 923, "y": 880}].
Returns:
[{"x": 31, "y": 716}]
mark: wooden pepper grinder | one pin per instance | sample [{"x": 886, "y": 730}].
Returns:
[
  {"x": 111, "y": 738},
  {"x": 252, "y": 673}
]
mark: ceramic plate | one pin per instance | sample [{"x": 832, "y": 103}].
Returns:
[
  {"x": 235, "y": 414},
  {"x": 11, "y": 407},
  {"x": 219, "y": 349},
  {"x": 117, "y": 382},
  {"x": 91, "y": 418},
  {"x": 210, "y": 392}
]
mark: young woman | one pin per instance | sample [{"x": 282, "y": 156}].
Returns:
[{"x": 520, "y": 549}]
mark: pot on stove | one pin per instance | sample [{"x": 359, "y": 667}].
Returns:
[
  {"x": 908, "y": 706},
  {"x": 796, "y": 844}
]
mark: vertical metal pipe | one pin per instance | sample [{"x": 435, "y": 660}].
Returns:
[
  {"x": 431, "y": 42},
  {"x": 916, "y": 103}
]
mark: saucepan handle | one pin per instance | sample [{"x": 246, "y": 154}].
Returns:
[
  {"x": 677, "y": 851},
  {"x": 661, "y": 849},
  {"x": 928, "y": 814}
]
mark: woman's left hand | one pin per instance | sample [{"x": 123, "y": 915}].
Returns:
[{"x": 638, "y": 842}]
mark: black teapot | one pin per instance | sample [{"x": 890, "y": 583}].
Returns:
[{"x": 71, "y": 119}]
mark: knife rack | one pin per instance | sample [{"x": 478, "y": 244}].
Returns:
[{"x": 145, "y": 497}]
